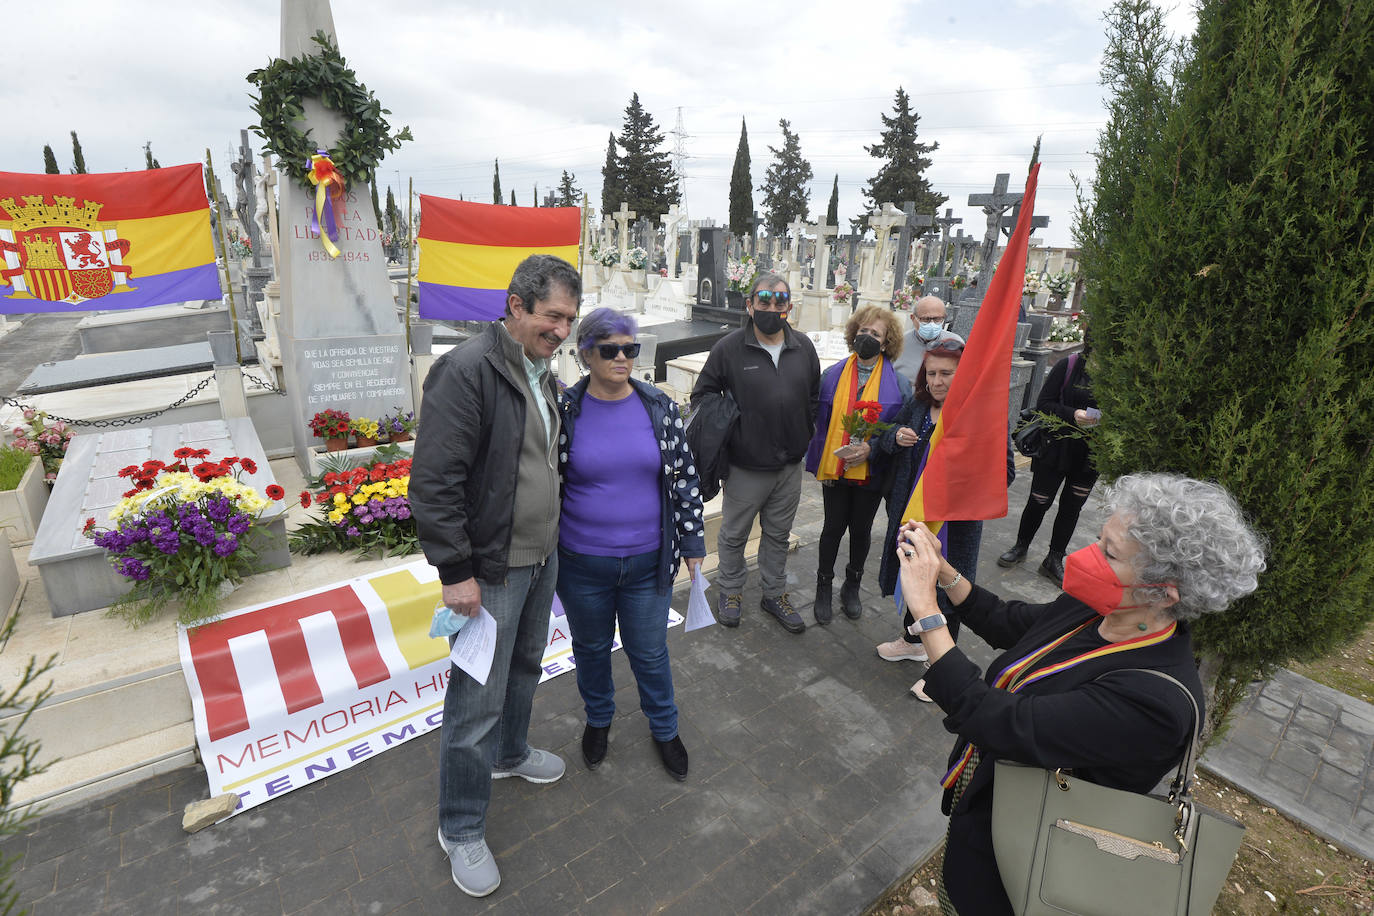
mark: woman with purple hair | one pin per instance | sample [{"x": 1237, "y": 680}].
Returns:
[{"x": 631, "y": 512}]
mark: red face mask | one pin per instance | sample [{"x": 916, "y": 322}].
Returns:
[{"x": 1090, "y": 578}]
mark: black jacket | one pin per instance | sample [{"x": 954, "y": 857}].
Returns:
[
  {"x": 1065, "y": 453},
  {"x": 777, "y": 404},
  {"x": 1125, "y": 730},
  {"x": 462, "y": 480},
  {"x": 713, "y": 421}
]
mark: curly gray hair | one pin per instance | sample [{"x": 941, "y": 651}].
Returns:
[{"x": 1193, "y": 535}]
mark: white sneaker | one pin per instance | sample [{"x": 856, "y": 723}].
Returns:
[
  {"x": 899, "y": 650},
  {"x": 918, "y": 690}
]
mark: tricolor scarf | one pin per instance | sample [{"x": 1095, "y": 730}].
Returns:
[
  {"x": 842, "y": 394},
  {"x": 1018, "y": 674}
]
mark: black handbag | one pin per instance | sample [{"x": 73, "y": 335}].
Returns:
[{"x": 1030, "y": 436}]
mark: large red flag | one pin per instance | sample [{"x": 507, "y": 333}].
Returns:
[{"x": 965, "y": 475}]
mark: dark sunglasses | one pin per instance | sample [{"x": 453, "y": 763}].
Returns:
[
  {"x": 952, "y": 346},
  {"x": 766, "y": 297},
  {"x": 608, "y": 351}
]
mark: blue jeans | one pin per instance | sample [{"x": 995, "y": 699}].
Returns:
[
  {"x": 595, "y": 591},
  {"x": 486, "y": 726}
]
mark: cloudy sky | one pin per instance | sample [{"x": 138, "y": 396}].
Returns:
[{"x": 540, "y": 85}]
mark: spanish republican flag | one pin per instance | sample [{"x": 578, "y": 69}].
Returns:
[
  {"x": 469, "y": 251},
  {"x": 966, "y": 466},
  {"x": 73, "y": 243}
]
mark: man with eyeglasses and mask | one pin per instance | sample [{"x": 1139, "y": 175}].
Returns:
[
  {"x": 485, "y": 495},
  {"x": 928, "y": 318},
  {"x": 773, "y": 374}
]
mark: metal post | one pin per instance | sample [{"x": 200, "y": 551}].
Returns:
[
  {"x": 224, "y": 246},
  {"x": 410, "y": 251}
]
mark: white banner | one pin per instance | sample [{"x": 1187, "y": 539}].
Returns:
[{"x": 287, "y": 692}]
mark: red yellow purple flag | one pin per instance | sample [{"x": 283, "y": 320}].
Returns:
[
  {"x": 71, "y": 243},
  {"x": 965, "y": 474},
  {"x": 468, "y": 252}
]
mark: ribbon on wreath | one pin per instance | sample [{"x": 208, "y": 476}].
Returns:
[{"x": 329, "y": 191}]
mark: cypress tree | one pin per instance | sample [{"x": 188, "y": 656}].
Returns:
[
  {"x": 392, "y": 215},
  {"x": 496, "y": 183},
  {"x": 901, "y": 177},
  {"x": 568, "y": 193},
  {"x": 832, "y": 212},
  {"x": 78, "y": 158},
  {"x": 376, "y": 204},
  {"x": 49, "y": 160},
  {"x": 646, "y": 175},
  {"x": 512, "y": 198},
  {"x": 612, "y": 191},
  {"x": 1233, "y": 334},
  {"x": 148, "y": 160},
  {"x": 741, "y": 187},
  {"x": 536, "y": 195},
  {"x": 786, "y": 188}
]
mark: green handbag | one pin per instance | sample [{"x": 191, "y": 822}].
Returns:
[{"x": 1067, "y": 846}]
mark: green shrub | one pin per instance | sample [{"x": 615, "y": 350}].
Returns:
[{"x": 13, "y": 463}]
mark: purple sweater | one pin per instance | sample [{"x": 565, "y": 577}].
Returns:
[{"x": 611, "y": 489}]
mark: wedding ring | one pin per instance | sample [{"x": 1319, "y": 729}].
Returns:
[{"x": 909, "y": 554}]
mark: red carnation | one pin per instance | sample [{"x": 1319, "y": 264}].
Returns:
[
  {"x": 305, "y": 499},
  {"x": 90, "y": 523},
  {"x": 275, "y": 492}
]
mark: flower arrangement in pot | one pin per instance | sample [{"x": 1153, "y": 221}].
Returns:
[
  {"x": 332, "y": 426},
  {"x": 842, "y": 294},
  {"x": 366, "y": 429},
  {"x": 48, "y": 441},
  {"x": 902, "y": 300},
  {"x": 364, "y": 509},
  {"x": 637, "y": 258},
  {"x": 739, "y": 275},
  {"x": 183, "y": 531},
  {"x": 399, "y": 426},
  {"x": 608, "y": 256}
]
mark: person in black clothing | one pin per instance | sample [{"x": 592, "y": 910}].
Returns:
[
  {"x": 1065, "y": 693},
  {"x": 1065, "y": 460}
]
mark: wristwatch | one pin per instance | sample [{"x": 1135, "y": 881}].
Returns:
[{"x": 926, "y": 624}]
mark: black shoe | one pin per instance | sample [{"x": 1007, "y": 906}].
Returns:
[
  {"x": 849, "y": 599},
  {"x": 674, "y": 757},
  {"x": 594, "y": 744},
  {"x": 822, "y": 607},
  {"x": 1052, "y": 568},
  {"x": 1015, "y": 555},
  {"x": 781, "y": 608},
  {"x": 727, "y": 609}
]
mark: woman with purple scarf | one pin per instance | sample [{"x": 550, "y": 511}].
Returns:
[
  {"x": 850, "y": 471},
  {"x": 631, "y": 512}
]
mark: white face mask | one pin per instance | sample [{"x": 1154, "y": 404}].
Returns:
[{"x": 929, "y": 330}]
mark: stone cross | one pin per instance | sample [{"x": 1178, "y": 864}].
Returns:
[
  {"x": 882, "y": 222},
  {"x": 245, "y": 195},
  {"x": 755, "y": 222},
  {"x": 822, "y": 267},
  {"x": 945, "y": 222},
  {"x": 622, "y": 218},
  {"x": 912, "y": 221},
  {"x": 269, "y": 181},
  {"x": 796, "y": 227},
  {"x": 671, "y": 220},
  {"x": 995, "y": 206}
]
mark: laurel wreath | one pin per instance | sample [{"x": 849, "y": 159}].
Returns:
[{"x": 284, "y": 84}]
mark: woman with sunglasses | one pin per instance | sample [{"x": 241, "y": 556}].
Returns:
[
  {"x": 849, "y": 469},
  {"x": 631, "y": 511}
]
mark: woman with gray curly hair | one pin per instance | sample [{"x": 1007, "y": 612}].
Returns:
[{"x": 1067, "y": 690}]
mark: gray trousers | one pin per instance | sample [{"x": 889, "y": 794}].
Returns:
[{"x": 772, "y": 496}]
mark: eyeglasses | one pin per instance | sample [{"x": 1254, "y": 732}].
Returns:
[
  {"x": 772, "y": 299},
  {"x": 609, "y": 350}
]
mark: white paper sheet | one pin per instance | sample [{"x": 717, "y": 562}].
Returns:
[
  {"x": 698, "y": 608},
  {"x": 475, "y": 646}
]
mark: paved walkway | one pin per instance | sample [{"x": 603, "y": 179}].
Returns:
[{"x": 813, "y": 787}]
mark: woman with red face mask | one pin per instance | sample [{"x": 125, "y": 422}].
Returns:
[{"x": 1066, "y": 691}]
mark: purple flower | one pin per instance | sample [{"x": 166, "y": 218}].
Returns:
[
  {"x": 238, "y": 524},
  {"x": 352, "y": 531},
  {"x": 133, "y": 569},
  {"x": 226, "y": 545}
]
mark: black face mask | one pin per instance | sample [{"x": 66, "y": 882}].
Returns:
[
  {"x": 769, "y": 323},
  {"x": 866, "y": 347}
]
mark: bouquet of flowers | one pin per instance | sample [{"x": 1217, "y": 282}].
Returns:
[
  {"x": 862, "y": 423},
  {"x": 958, "y": 281},
  {"x": 183, "y": 530},
  {"x": 1032, "y": 283},
  {"x": 915, "y": 279},
  {"x": 903, "y": 299},
  {"x": 739, "y": 275},
  {"x": 240, "y": 247},
  {"x": 1060, "y": 283},
  {"x": 637, "y": 258},
  {"x": 842, "y": 294},
  {"x": 365, "y": 428},
  {"x": 608, "y": 256},
  {"x": 1068, "y": 330},
  {"x": 399, "y": 426},
  {"x": 48, "y": 441},
  {"x": 365, "y": 509},
  {"x": 330, "y": 424}
]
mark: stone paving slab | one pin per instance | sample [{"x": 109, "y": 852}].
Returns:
[{"x": 1308, "y": 751}]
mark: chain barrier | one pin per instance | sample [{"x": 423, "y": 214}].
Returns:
[
  {"x": 119, "y": 421},
  {"x": 260, "y": 383}
]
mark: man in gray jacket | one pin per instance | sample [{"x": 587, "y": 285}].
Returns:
[{"x": 484, "y": 493}]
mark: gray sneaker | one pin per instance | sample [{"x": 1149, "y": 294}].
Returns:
[
  {"x": 781, "y": 608},
  {"x": 472, "y": 865},
  {"x": 539, "y": 767},
  {"x": 727, "y": 609}
]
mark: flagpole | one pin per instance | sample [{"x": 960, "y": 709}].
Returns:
[
  {"x": 224, "y": 247},
  {"x": 581, "y": 231},
  {"x": 410, "y": 250}
]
